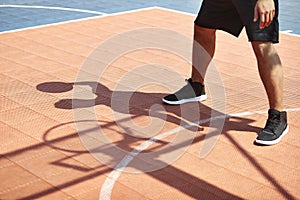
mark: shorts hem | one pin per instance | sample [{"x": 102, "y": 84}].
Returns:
[
  {"x": 234, "y": 33},
  {"x": 264, "y": 40}
]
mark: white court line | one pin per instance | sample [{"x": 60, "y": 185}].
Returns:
[
  {"x": 53, "y": 8},
  {"x": 176, "y": 11},
  {"x": 109, "y": 182},
  {"x": 47, "y": 25},
  {"x": 101, "y": 14},
  {"x": 290, "y": 32}
]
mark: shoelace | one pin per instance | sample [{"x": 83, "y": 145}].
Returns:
[{"x": 272, "y": 123}]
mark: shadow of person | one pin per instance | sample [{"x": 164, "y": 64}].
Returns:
[{"x": 133, "y": 103}]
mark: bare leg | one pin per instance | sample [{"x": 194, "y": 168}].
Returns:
[
  {"x": 271, "y": 73},
  {"x": 206, "y": 38}
]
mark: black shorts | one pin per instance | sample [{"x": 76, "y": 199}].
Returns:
[{"x": 232, "y": 15}]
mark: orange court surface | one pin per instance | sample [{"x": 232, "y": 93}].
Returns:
[{"x": 49, "y": 145}]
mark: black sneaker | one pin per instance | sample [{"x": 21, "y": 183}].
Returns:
[
  {"x": 276, "y": 127},
  {"x": 191, "y": 92}
]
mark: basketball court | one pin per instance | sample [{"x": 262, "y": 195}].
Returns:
[{"x": 82, "y": 117}]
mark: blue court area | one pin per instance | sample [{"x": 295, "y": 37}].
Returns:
[{"x": 19, "y": 14}]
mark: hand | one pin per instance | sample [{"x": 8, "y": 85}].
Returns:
[{"x": 265, "y": 11}]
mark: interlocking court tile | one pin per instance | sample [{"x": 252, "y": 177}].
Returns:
[{"x": 43, "y": 157}]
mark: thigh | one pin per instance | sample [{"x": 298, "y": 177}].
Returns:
[{"x": 220, "y": 14}]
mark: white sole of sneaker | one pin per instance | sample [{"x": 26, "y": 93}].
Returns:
[
  {"x": 195, "y": 99},
  {"x": 274, "y": 141}
]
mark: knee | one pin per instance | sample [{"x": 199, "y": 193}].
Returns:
[
  {"x": 204, "y": 34},
  {"x": 265, "y": 52},
  {"x": 262, "y": 49}
]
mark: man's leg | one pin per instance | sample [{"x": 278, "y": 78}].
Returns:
[
  {"x": 271, "y": 73},
  {"x": 214, "y": 15},
  {"x": 206, "y": 38},
  {"x": 203, "y": 51}
]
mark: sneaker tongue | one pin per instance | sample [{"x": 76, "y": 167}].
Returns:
[
  {"x": 274, "y": 114},
  {"x": 273, "y": 119}
]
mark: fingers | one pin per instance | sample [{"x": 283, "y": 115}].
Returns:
[
  {"x": 266, "y": 19},
  {"x": 262, "y": 21},
  {"x": 264, "y": 11}
]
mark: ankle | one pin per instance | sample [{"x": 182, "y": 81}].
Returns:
[{"x": 197, "y": 80}]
